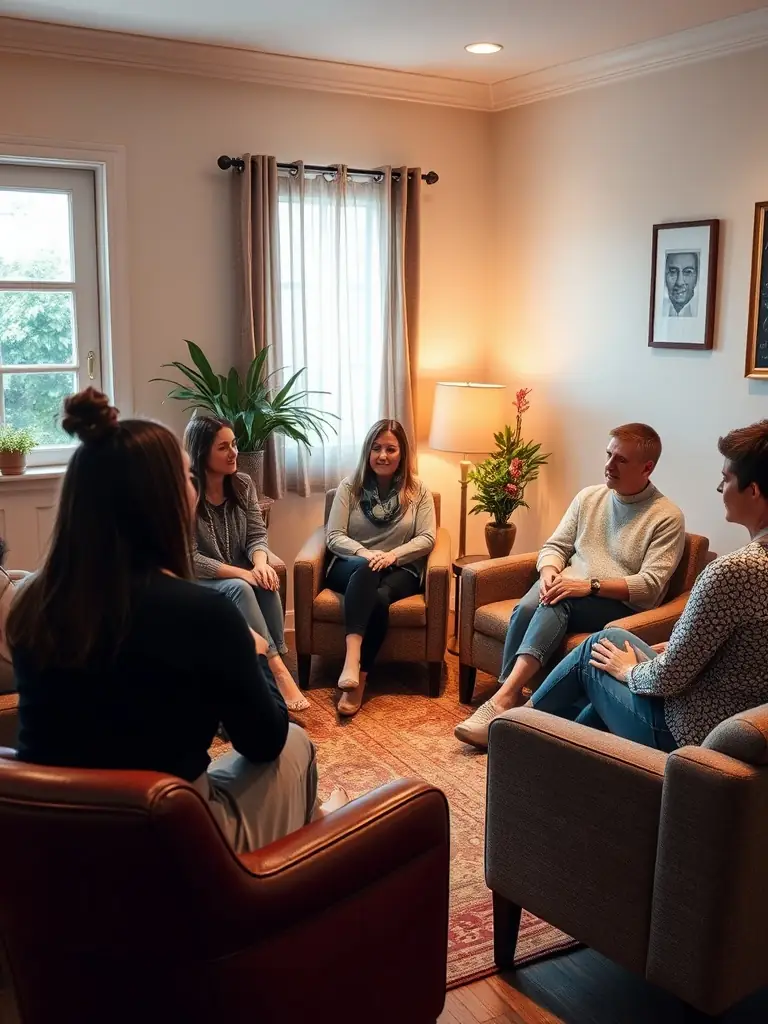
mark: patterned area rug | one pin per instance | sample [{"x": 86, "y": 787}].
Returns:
[{"x": 401, "y": 731}]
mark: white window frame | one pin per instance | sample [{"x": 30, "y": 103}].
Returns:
[{"x": 108, "y": 165}]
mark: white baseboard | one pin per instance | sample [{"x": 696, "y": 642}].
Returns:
[{"x": 289, "y": 622}]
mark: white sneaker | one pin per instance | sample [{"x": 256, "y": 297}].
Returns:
[{"x": 474, "y": 730}]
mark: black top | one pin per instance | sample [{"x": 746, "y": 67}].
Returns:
[{"x": 187, "y": 664}]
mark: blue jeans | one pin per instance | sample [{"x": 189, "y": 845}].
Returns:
[
  {"x": 261, "y": 609},
  {"x": 574, "y": 689},
  {"x": 538, "y": 629}
]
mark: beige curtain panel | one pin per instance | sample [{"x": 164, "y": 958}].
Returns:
[{"x": 331, "y": 283}]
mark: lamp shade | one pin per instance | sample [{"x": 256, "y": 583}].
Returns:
[{"x": 466, "y": 416}]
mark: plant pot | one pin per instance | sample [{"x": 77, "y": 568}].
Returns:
[
  {"x": 13, "y": 463},
  {"x": 500, "y": 539},
  {"x": 252, "y": 464}
]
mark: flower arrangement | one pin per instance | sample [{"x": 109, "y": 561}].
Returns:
[{"x": 501, "y": 479}]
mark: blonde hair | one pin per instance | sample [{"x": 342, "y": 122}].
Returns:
[
  {"x": 404, "y": 478},
  {"x": 645, "y": 437}
]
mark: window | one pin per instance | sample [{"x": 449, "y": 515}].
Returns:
[
  {"x": 49, "y": 298},
  {"x": 333, "y": 245}
]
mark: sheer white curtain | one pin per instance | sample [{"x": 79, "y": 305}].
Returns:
[{"x": 334, "y": 279}]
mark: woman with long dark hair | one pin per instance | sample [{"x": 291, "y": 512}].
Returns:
[
  {"x": 231, "y": 542},
  {"x": 122, "y": 661},
  {"x": 380, "y": 532}
]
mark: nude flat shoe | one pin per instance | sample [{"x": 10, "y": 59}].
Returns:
[
  {"x": 348, "y": 705},
  {"x": 348, "y": 682},
  {"x": 300, "y": 704}
]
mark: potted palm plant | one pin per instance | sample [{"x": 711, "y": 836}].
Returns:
[
  {"x": 501, "y": 479},
  {"x": 15, "y": 445},
  {"x": 255, "y": 406}
]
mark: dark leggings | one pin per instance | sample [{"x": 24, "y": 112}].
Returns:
[{"x": 367, "y": 597}]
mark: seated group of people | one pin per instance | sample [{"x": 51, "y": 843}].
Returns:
[{"x": 123, "y": 660}]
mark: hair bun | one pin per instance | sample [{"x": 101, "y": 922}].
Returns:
[{"x": 89, "y": 416}]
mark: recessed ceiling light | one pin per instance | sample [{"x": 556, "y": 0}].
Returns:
[{"x": 483, "y": 47}]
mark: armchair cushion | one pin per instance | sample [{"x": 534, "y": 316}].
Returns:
[
  {"x": 492, "y": 619},
  {"x": 743, "y": 736},
  {"x": 411, "y": 612}
]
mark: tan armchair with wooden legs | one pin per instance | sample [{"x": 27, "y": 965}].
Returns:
[
  {"x": 490, "y": 591},
  {"x": 418, "y": 625}
]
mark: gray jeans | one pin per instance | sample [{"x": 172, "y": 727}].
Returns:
[
  {"x": 261, "y": 609},
  {"x": 255, "y": 804}
]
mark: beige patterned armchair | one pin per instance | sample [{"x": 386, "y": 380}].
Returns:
[
  {"x": 418, "y": 626},
  {"x": 491, "y": 589}
]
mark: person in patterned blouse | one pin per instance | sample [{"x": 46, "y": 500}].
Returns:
[{"x": 716, "y": 661}]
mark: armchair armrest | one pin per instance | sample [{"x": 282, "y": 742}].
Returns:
[
  {"x": 497, "y": 579},
  {"x": 438, "y": 595},
  {"x": 307, "y": 584},
  {"x": 571, "y": 829},
  {"x": 655, "y": 625}
]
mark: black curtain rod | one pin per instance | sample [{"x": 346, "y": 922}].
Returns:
[{"x": 234, "y": 163}]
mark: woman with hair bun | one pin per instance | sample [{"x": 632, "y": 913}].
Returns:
[{"x": 118, "y": 654}]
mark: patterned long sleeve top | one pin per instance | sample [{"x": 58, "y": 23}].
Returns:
[
  {"x": 228, "y": 534},
  {"x": 716, "y": 663}
]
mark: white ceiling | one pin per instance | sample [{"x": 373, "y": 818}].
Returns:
[{"x": 418, "y": 36}]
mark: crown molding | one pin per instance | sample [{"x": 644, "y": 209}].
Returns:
[
  {"x": 717, "y": 39},
  {"x": 67, "y": 42}
]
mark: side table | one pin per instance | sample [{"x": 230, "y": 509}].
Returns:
[{"x": 458, "y": 566}]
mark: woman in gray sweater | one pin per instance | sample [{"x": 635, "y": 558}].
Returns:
[
  {"x": 231, "y": 542},
  {"x": 380, "y": 532}
]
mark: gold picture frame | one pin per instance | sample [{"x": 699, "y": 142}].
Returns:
[{"x": 757, "y": 332}]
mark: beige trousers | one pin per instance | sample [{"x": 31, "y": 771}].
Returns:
[{"x": 255, "y": 804}]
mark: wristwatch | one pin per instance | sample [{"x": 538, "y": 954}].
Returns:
[{"x": 594, "y": 587}]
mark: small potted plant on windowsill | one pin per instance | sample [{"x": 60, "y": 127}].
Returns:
[
  {"x": 15, "y": 445},
  {"x": 501, "y": 480}
]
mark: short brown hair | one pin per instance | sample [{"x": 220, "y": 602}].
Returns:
[
  {"x": 747, "y": 451},
  {"x": 644, "y": 436}
]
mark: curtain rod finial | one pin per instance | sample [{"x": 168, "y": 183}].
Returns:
[
  {"x": 431, "y": 177},
  {"x": 231, "y": 162}
]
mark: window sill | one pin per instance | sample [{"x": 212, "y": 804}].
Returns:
[{"x": 33, "y": 474}]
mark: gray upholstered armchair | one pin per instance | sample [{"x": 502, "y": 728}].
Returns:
[
  {"x": 657, "y": 861},
  {"x": 418, "y": 626},
  {"x": 491, "y": 589}
]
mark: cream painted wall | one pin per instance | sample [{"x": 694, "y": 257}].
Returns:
[
  {"x": 182, "y": 235},
  {"x": 580, "y": 180}
]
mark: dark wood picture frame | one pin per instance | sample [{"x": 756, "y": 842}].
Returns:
[
  {"x": 707, "y": 341},
  {"x": 757, "y": 332}
]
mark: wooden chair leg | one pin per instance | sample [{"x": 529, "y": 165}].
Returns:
[
  {"x": 467, "y": 676},
  {"x": 435, "y": 669},
  {"x": 506, "y": 925},
  {"x": 305, "y": 666}
]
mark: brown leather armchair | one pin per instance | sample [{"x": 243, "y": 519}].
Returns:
[
  {"x": 418, "y": 625},
  {"x": 491, "y": 589},
  {"x": 121, "y": 901}
]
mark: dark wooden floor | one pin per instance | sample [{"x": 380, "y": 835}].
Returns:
[{"x": 580, "y": 988}]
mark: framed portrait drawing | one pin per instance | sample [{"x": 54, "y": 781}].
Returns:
[
  {"x": 757, "y": 334},
  {"x": 683, "y": 284}
]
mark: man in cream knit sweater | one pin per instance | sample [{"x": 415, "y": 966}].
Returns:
[{"x": 614, "y": 552}]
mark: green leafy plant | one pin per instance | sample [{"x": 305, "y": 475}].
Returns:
[
  {"x": 501, "y": 479},
  {"x": 256, "y": 407},
  {"x": 19, "y": 440}
]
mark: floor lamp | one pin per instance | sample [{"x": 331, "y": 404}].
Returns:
[{"x": 464, "y": 419}]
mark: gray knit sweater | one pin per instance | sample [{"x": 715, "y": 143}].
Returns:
[
  {"x": 244, "y": 528},
  {"x": 348, "y": 531},
  {"x": 605, "y": 535}
]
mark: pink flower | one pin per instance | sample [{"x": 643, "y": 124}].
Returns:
[
  {"x": 516, "y": 468},
  {"x": 512, "y": 490},
  {"x": 521, "y": 400}
]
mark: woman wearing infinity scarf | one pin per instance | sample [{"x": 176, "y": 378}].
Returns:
[{"x": 380, "y": 532}]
